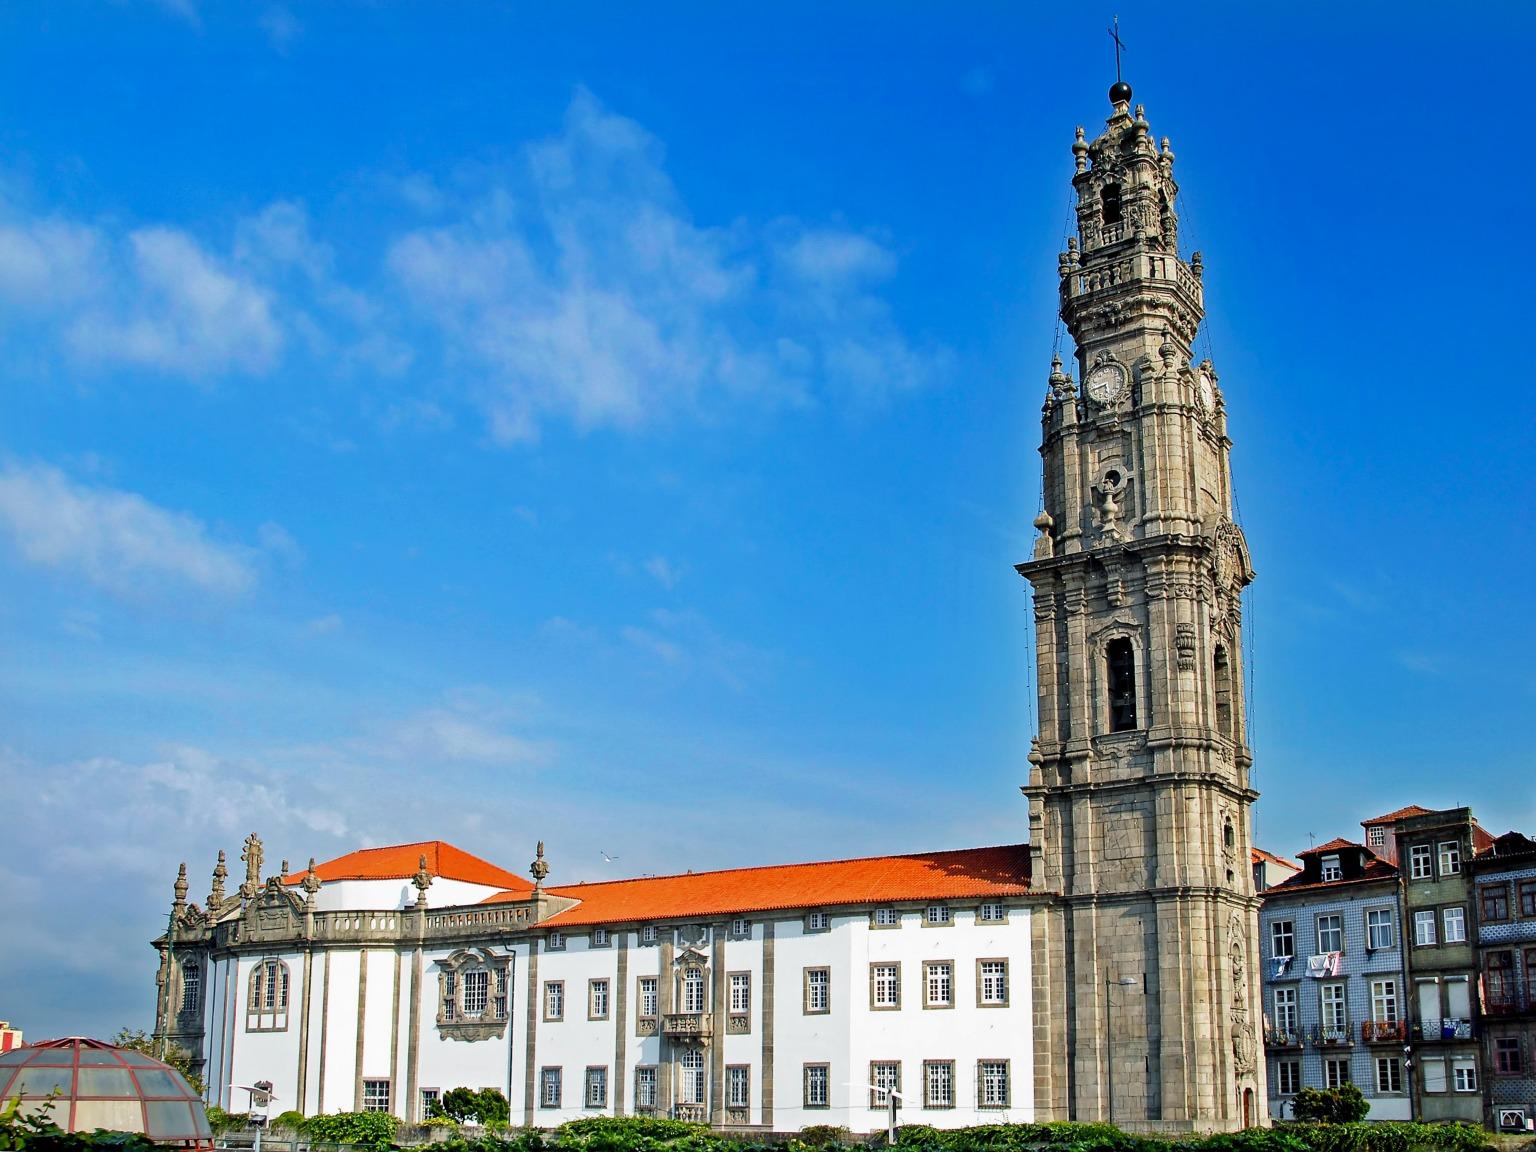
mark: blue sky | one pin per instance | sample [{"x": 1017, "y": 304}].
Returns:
[{"x": 616, "y": 426}]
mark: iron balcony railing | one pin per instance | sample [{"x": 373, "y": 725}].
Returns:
[{"x": 1383, "y": 1031}]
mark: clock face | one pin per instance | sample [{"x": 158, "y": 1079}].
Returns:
[
  {"x": 1207, "y": 391},
  {"x": 1105, "y": 382}
]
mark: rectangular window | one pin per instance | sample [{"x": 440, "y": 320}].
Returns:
[
  {"x": 1424, "y": 928},
  {"x": 1336, "y": 1071},
  {"x": 884, "y": 1078},
  {"x": 1384, "y": 1001},
  {"x": 817, "y": 1078},
  {"x": 1379, "y": 930},
  {"x": 992, "y": 983},
  {"x": 738, "y": 1086},
  {"x": 886, "y": 918},
  {"x": 885, "y": 985},
  {"x": 818, "y": 990},
  {"x": 1454, "y": 923},
  {"x": 992, "y": 914},
  {"x": 1495, "y": 900},
  {"x": 1432, "y": 1069},
  {"x": 1282, "y": 939},
  {"x": 554, "y": 1000},
  {"x": 1450, "y": 858},
  {"x": 555, "y": 941},
  {"x": 549, "y": 1087},
  {"x": 741, "y": 992},
  {"x": 938, "y": 1083},
  {"x": 1332, "y": 869},
  {"x": 1288, "y": 1077},
  {"x": 1419, "y": 863},
  {"x": 937, "y": 915},
  {"x": 191, "y": 988},
  {"x": 992, "y": 1084},
  {"x": 741, "y": 928},
  {"x": 648, "y": 934},
  {"x": 1335, "y": 1019},
  {"x": 1530, "y": 976},
  {"x": 1121, "y": 660},
  {"x": 647, "y": 997},
  {"x": 1376, "y": 836},
  {"x": 375, "y": 1095},
  {"x": 692, "y": 989},
  {"x": 938, "y": 984},
  {"x": 429, "y": 1099},
  {"x": 690, "y": 1084},
  {"x": 1285, "y": 1010},
  {"x": 1506, "y": 1055},
  {"x": 595, "y": 1094},
  {"x": 600, "y": 938},
  {"x": 597, "y": 999},
  {"x": 1464, "y": 1074},
  {"x": 1330, "y": 933},
  {"x": 1528, "y": 898},
  {"x": 477, "y": 991},
  {"x": 816, "y": 922},
  {"x": 1499, "y": 981},
  {"x": 1389, "y": 1074},
  {"x": 645, "y": 1086}
]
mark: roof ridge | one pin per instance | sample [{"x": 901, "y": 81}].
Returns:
[{"x": 588, "y": 885}]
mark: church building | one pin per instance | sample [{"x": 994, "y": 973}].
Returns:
[{"x": 1103, "y": 970}]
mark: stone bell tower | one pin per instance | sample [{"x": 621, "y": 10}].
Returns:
[{"x": 1146, "y": 951}]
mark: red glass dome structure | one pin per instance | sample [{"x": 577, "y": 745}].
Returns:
[{"x": 84, "y": 1085}]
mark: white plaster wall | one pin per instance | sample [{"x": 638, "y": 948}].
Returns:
[
  {"x": 576, "y": 1042},
  {"x": 801, "y": 1038},
  {"x": 378, "y": 1018},
  {"x": 445, "y": 1063},
  {"x": 338, "y": 1083},
  {"x": 383, "y": 895},
  {"x": 746, "y": 955}
]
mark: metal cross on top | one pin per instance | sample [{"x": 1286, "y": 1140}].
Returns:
[{"x": 1114, "y": 34}]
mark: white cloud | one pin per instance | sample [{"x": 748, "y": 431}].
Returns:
[
  {"x": 664, "y": 572},
  {"x": 48, "y": 263},
  {"x": 578, "y": 287},
  {"x": 648, "y": 641},
  {"x": 189, "y": 313},
  {"x": 117, "y": 540}
]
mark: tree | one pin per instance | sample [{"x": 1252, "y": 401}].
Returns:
[
  {"x": 467, "y": 1106},
  {"x": 173, "y": 1054},
  {"x": 1342, "y": 1105}
]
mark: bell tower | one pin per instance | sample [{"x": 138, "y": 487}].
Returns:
[{"x": 1147, "y": 1009}]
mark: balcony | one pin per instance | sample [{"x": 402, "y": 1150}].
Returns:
[
  {"x": 1445, "y": 1029},
  {"x": 1383, "y": 1031},
  {"x": 693, "y": 1113},
  {"x": 1329, "y": 1036},
  {"x": 1280, "y": 1038},
  {"x": 687, "y": 1025}
]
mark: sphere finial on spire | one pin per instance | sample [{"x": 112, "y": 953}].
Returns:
[{"x": 1119, "y": 92}]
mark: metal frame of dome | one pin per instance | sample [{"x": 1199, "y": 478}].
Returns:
[{"x": 83, "y": 1084}]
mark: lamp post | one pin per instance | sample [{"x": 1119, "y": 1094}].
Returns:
[
  {"x": 891, "y": 1096},
  {"x": 1109, "y": 1059}
]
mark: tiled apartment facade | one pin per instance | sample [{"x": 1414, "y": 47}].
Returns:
[
  {"x": 1504, "y": 879},
  {"x": 1333, "y": 981}
]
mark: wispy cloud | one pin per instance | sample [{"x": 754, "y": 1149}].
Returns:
[
  {"x": 578, "y": 286},
  {"x": 117, "y": 540},
  {"x": 665, "y": 572}
]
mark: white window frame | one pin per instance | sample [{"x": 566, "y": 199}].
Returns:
[
  {"x": 600, "y": 938},
  {"x": 1375, "y": 836},
  {"x": 1332, "y": 867},
  {"x": 645, "y": 1086},
  {"x": 1287, "y": 1077},
  {"x": 884, "y": 1078},
  {"x": 1282, "y": 933},
  {"x": 377, "y": 1094},
  {"x": 1330, "y": 927},
  {"x": 1389, "y": 1076},
  {"x": 818, "y": 991},
  {"x": 1453, "y": 925},
  {"x": 554, "y": 942},
  {"x": 1380, "y": 929},
  {"x": 554, "y": 1000},
  {"x": 693, "y": 1084},
  {"x": 1464, "y": 1073},
  {"x": 885, "y": 984},
  {"x": 938, "y": 916},
  {"x": 817, "y": 922},
  {"x": 817, "y": 1082},
  {"x": 650, "y": 997},
  {"x": 1425, "y": 932},
  {"x": 938, "y": 983},
  {"x": 938, "y": 1083},
  {"x": 550, "y": 1087},
  {"x": 992, "y": 913},
  {"x": 992, "y": 986},
  {"x": 649, "y": 934},
  {"x": 1421, "y": 862},
  {"x": 741, "y": 928},
  {"x": 740, "y": 992},
  {"x": 1333, "y": 1004},
  {"x": 1336, "y": 1071},
  {"x": 1449, "y": 857},
  {"x": 597, "y": 999},
  {"x": 693, "y": 990},
  {"x": 1384, "y": 1002},
  {"x": 886, "y": 918},
  {"x": 1287, "y": 1010},
  {"x": 738, "y": 1085},
  {"x": 992, "y": 1085},
  {"x": 594, "y": 1092}
]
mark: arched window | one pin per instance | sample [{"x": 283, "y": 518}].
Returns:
[
  {"x": 191, "y": 987},
  {"x": 1223, "y": 688},
  {"x": 267, "y": 1004},
  {"x": 1110, "y": 203},
  {"x": 1228, "y": 836},
  {"x": 691, "y": 998},
  {"x": 1121, "y": 659}
]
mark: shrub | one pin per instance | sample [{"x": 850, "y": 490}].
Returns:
[
  {"x": 352, "y": 1128},
  {"x": 289, "y": 1121},
  {"x": 439, "y": 1121},
  {"x": 1343, "y": 1105},
  {"x": 485, "y": 1106},
  {"x": 223, "y": 1122}
]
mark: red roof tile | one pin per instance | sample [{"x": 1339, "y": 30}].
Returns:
[
  {"x": 1482, "y": 839},
  {"x": 1393, "y": 817},
  {"x": 971, "y": 873},
  {"x": 1256, "y": 855},
  {"x": 1375, "y": 870},
  {"x": 1333, "y": 845},
  {"x": 399, "y": 861}
]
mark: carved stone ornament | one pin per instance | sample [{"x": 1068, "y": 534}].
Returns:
[
  {"x": 422, "y": 880},
  {"x": 1184, "y": 643},
  {"x": 220, "y": 874},
  {"x": 1231, "y": 572},
  {"x": 1109, "y": 494},
  {"x": 539, "y": 869},
  {"x": 474, "y": 1013},
  {"x": 311, "y": 881},
  {"x": 252, "y": 854}
]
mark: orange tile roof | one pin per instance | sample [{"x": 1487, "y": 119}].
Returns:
[
  {"x": 1333, "y": 846},
  {"x": 1375, "y": 870},
  {"x": 1256, "y": 855},
  {"x": 1393, "y": 817},
  {"x": 970, "y": 873},
  {"x": 399, "y": 861}
]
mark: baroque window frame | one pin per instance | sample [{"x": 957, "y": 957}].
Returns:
[{"x": 453, "y": 1021}]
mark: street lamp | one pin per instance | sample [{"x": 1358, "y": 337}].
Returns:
[
  {"x": 1109, "y": 1059},
  {"x": 261, "y": 1097},
  {"x": 891, "y": 1096}
]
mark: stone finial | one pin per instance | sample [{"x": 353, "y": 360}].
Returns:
[
  {"x": 180, "y": 887},
  {"x": 539, "y": 868},
  {"x": 1080, "y": 150},
  {"x": 311, "y": 881},
  {"x": 283, "y": 870},
  {"x": 1197, "y": 265},
  {"x": 252, "y": 854},
  {"x": 423, "y": 881},
  {"x": 1045, "y": 545},
  {"x": 1168, "y": 352},
  {"x": 220, "y": 874}
]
